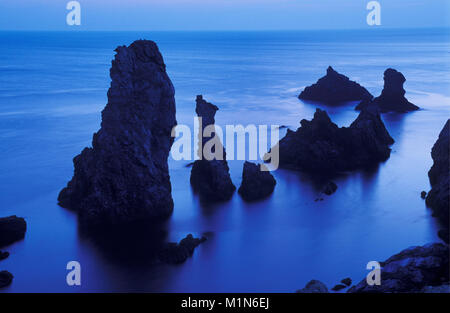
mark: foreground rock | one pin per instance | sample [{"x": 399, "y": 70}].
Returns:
[
  {"x": 124, "y": 176},
  {"x": 412, "y": 270},
  {"x": 392, "y": 98},
  {"x": 256, "y": 184},
  {"x": 335, "y": 88},
  {"x": 210, "y": 175},
  {"x": 5, "y": 279},
  {"x": 12, "y": 229},
  {"x": 314, "y": 286},
  {"x": 319, "y": 146},
  {"x": 176, "y": 253},
  {"x": 438, "y": 197}
]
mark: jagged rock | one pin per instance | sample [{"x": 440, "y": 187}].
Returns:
[
  {"x": 124, "y": 176},
  {"x": 4, "y": 255},
  {"x": 329, "y": 188},
  {"x": 5, "y": 279},
  {"x": 319, "y": 146},
  {"x": 210, "y": 177},
  {"x": 256, "y": 184},
  {"x": 438, "y": 197},
  {"x": 12, "y": 229},
  {"x": 347, "y": 281},
  {"x": 423, "y": 194},
  {"x": 392, "y": 98},
  {"x": 339, "y": 287},
  {"x": 314, "y": 286},
  {"x": 176, "y": 253},
  {"x": 335, "y": 88},
  {"x": 411, "y": 270}
]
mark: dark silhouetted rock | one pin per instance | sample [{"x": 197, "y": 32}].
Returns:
[
  {"x": 12, "y": 229},
  {"x": 314, "y": 286},
  {"x": 335, "y": 88},
  {"x": 347, "y": 281},
  {"x": 412, "y": 270},
  {"x": 210, "y": 176},
  {"x": 256, "y": 184},
  {"x": 176, "y": 253},
  {"x": 392, "y": 98},
  {"x": 338, "y": 287},
  {"x": 124, "y": 176},
  {"x": 320, "y": 147},
  {"x": 423, "y": 194},
  {"x": 4, "y": 255},
  {"x": 329, "y": 188},
  {"x": 438, "y": 197},
  {"x": 444, "y": 235},
  {"x": 5, "y": 279}
]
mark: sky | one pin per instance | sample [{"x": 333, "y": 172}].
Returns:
[{"x": 221, "y": 14}]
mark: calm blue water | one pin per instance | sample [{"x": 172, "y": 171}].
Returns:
[{"x": 53, "y": 87}]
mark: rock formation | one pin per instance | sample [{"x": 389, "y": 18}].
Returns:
[
  {"x": 392, "y": 98},
  {"x": 335, "y": 88},
  {"x": 319, "y": 146},
  {"x": 5, "y": 279},
  {"x": 12, "y": 229},
  {"x": 329, "y": 188},
  {"x": 124, "y": 176},
  {"x": 413, "y": 270},
  {"x": 314, "y": 286},
  {"x": 210, "y": 176},
  {"x": 438, "y": 197},
  {"x": 256, "y": 184},
  {"x": 175, "y": 253}
]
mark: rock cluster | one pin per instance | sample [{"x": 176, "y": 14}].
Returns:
[
  {"x": 210, "y": 176},
  {"x": 319, "y": 146},
  {"x": 335, "y": 88},
  {"x": 392, "y": 98},
  {"x": 12, "y": 229},
  {"x": 124, "y": 176},
  {"x": 256, "y": 184},
  {"x": 176, "y": 253}
]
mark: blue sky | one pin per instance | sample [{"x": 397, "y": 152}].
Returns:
[{"x": 220, "y": 14}]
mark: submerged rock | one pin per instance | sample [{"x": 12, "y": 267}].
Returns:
[
  {"x": 4, "y": 255},
  {"x": 256, "y": 184},
  {"x": 335, "y": 88},
  {"x": 392, "y": 98},
  {"x": 124, "y": 176},
  {"x": 423, "y": 194},
  {"x": 319, "y": 146},
  {"x": 176, "y": 253},
  {"x": 438, "y": 197},
  {"x": 210, "y": 176},
  {"x": 12, "y": 229},
  {"x": 329, "y": 188},
  {"x": 412, "y": 270},
  {"x": 314, "y": 286},
  {"x": 5, "y": 279}
]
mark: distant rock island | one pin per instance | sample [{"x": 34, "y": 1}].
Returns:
[
  {"x": 256, "y": 184},
  {"x": 124, "y": 176},
  {"x": 392, "y": 98},
  {"x": 335, "y": 88},
  {"x": 210, "y": 177},
  {"x": 320, "y": 147}
]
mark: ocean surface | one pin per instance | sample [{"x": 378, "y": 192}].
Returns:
[{"x": 53, "y": 86}]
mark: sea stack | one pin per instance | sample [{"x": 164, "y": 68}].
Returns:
[
  {"x": 256, "y": 184},
  {"x": 335, "y": 88},
  {"x": 392, "y": 98},
  {"x": 322, "y": 148},
  {"x": 210, "y": 175},
  {"x": 124, "y": 177},
  {"x": 438, "y": 197}
]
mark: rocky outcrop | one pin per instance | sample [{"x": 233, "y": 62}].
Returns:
[
  {"x": 210, "y": 175},
  {"x": 256, "y": 184},
  {"x": 438, "y": 197},
  {"x": 124, "y": 176},
  {"x": 319, "y": 146},
  {"x": 5, "y": 279},
  {"x": 335, "y": 88},
  {"x": 314, "y": 286},
  {"x": 12, "y": 229},
  {"x": 176, "y": 253},
  {"x": 412, "y": 270},
  {"x": 392, "y": 98}
]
